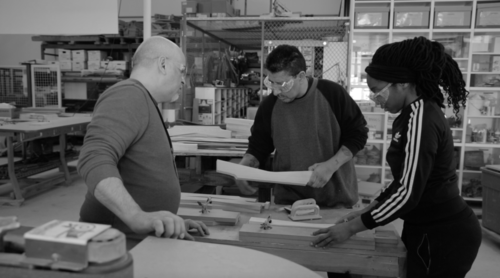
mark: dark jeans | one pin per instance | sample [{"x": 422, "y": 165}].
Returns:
[{"x": 443, "y": 249}]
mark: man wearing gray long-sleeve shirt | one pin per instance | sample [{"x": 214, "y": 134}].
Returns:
[{"x": 127, "y": 160}]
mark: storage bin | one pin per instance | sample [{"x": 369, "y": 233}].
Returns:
[
  {"x": 491, "y": 199},
  {"x": 488, "y": 15},
  {"x": 371, "y": 16},
  {"x": 411, "y": 16},
  {"x": 452, "y": 15}
]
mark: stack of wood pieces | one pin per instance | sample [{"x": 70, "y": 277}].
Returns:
[
  {"x": 212, "y": 217},
  {"x": 227, "y": 203},
  {"x": 300, "y": 235},
  {"x": 186, "y": 138},
  {"x": 239, "y": 127}
]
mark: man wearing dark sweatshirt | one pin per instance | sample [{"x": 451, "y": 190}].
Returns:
[
  {"x": 311, "y": 125},
  {"x": 127, "y": 160}
]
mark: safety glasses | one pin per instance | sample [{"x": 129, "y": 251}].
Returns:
[
  {"x": 384, "y": 93},
  {"x": 282, "y": 87}
]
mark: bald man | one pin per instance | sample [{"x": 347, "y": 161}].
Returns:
[{"x": 127, "y": 160}]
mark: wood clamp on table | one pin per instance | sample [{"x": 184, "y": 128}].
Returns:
[{"x": 303, "y": 210}]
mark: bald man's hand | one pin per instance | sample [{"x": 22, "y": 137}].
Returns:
[{"x": 161, "y": 223}]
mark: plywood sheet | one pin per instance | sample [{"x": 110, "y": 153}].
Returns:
[{"x": 299, "y": 178}]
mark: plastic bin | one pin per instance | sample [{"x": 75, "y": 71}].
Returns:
[
  {"x": 488, "y": 15},
  {"x": 411, "y": 16},
  {"x": 452, "y": 15},
  {"x": 491, "y": 199},
  {"x": 371, "y": 16}
]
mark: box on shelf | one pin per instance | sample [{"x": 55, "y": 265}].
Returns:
[
  {"x": 411, "y": 15},
  {"x": 114, "y": 65},
  {"x": 96, "y": 55},
  {"x": 93, "y": 65},
  {"x": 222, "y": 6},
  {"x": 189, "y": 7},
  {"x": 488, "y": 15},
  {"x": 79, "y": 55},
  {"x": 119, "y": 65},
  {"x": 65, "y": 65},
  {"x": 374, "y": 16},
  {"x": 78, "y": 65},
  {"x": 452, "y": 15},
  {"x": 495, "y": 63},
  {"x": 491, "y": 196},
  {"x": 64, "y": 55},
  {"x": 496, "y": 44}
]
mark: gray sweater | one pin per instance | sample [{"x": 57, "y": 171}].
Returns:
[{"x": 128, "y": 140}]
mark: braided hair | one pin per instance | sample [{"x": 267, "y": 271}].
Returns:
[{"x": 425, "y": 64}]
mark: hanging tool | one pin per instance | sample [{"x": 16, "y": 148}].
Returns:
[{"x": 303, "y": 210}]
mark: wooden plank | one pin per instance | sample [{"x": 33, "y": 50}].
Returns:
[
  {"x": 299, "y": 178},
  {"x": 221, "y": 207},
  {"x": 215, "y": 215},
  {"x": 306, "y": 245},
  {"x": 249, "y": 205},
  {"x": 199, "y": 131},
  {"x": 179, "y": 147},
  {"x": 219, "y": 197},
  {"x": 282, "y": 223},
  {"x": 283, "y": 234}
]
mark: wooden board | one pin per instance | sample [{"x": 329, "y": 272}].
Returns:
[
  {"x": 282, "y": 223},
  {"x": 301, "y": 236},
  {"x": 300, "y": 178},
  {"x": 215, "y": 215},
  {"x": 180, "y": 147},
  {"x": 229, "y": 197},
  {"x": 199, "y": 131},
  {"x": 161, "y": 257},
  {"x": 247, "y": 205}
]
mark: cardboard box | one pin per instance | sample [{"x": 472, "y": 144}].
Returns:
[
  {"x": 371, "y": 16},
  {"x": 488, "y": 15},
  {"x": 222, "y": 6},
  {"x": 93, "y": 65},
  {"x": 97, "y": 55},
  {"x": 496, "y": 45},
  {"x": 495, "y": 64},
  {"x": 411, "y": 16},
  {"x": 65, "y": 65},
  {"x": 204, "y": 7},
  {"x": 63, "y": 55},
  {"x": 189, "y": 7},
  {"x": 119, "y": 65},
  {"x": 114, "y": 65},
  {"x": 79, "y": 55},
  {"x": 78, "y": 65},
  {"x": 449, "y": 15}
]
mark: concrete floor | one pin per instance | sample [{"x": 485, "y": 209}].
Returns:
[{"x": 64, "y": 203}]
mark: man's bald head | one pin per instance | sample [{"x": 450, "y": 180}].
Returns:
[{"x": 153, "y": 48}]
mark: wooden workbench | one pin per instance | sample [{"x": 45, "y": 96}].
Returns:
[
  {"x": 383, "y": 262},
  {"x": 29, "y": 131},
  {"x": 161, "y": 257}
]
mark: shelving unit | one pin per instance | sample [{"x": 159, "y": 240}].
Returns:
[
  {"x": 473, "y": 40},
  {"x": 213, "y": 105}
]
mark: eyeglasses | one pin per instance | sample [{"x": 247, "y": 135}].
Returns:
[
  {"x": 283, "y": 87},
  {"x": 374, "y": 96}
]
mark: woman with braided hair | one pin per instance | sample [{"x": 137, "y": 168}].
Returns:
[{"x": 441, "y": 233}]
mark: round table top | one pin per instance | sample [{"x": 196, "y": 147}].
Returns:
[{"x": 160, "y": 257}]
